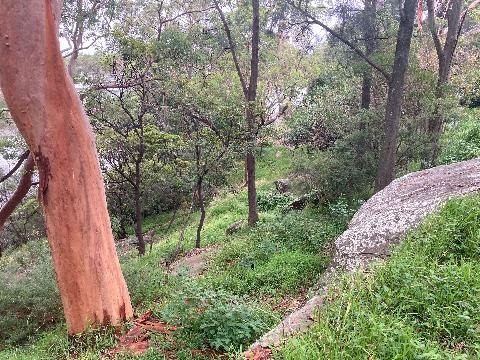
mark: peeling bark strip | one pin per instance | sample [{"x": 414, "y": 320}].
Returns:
[{"x": 47, "y": 111}]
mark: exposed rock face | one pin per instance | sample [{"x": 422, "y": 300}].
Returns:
[
  {"x": 299, "y": 203},
  {"x": 235, "y": 227},
  {"x": 381, "y": 223},
  {"x": 385, "y": 218},
  {"x": 282, "y": 185}
]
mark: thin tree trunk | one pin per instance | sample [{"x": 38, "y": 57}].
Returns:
[
  {"x": 250, "y": 94},
  {"x": 201, "y": 205},
  {"x": 139, "y": 211},
  {"x": 435, "y": 123},
  {"x": 445, "y": 55},
  {"x": 252, "y": 191},
  {"x": 250, "y": 116},
  {"x": 370, "y": 45},
  {"x": 250, "y": 172},
  {"x": 72, "y": 62},
  {"x": 366, "y": 89},
  {"x": 200, "y": 196},
  {"x": 388, "y": 152},
  {"x": 50, "y": 116}
]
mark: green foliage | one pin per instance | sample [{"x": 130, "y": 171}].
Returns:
[
  {"x": 326, "y": 111},
  {"x": 309, "y": 231},
  {"x": 95, "y": 340},
  {"x": 146, "y": 279},
  {"x": 344, "y": 170},
  {"x": 422, "y": 304},
  {"x": 284, "y": 273},
  {"x": 280, "y": 256},
  {"x": 24, "y": 225},
  {"x": 461, "y": 141},
  {"x": 470, "y": 88},
  {"x": 29, "y": 299},
  {"x": 215, "y": 318},
  {"x": 341, "y": 212},
  {"x": 267, "y": 201}
]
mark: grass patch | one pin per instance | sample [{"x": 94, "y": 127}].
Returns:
[
  {"x": 283, "y": 255},
  {"x": 424, "y": 303},
  {"x": 29, "y": 299}
]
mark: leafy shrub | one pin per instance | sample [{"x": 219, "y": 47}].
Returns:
[
  {"x": 225, "y": 326},
  {"x": 470, "y": 89},
  {"x": 424, "y": 303},
  {"x": 347, "y": 168},
  {"x": 215, "y": 318},
  {"x": 461, "y": 142},
  {"x": 267, "y": 201},
  {"x": 342, "y": 211}
]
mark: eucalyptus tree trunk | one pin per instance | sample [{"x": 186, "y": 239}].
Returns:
[
  {"x": 445, "y": 55},
  {"x": 250, "y": 116},
  {"x": 137, "y": 196},
  {"x": 388, "y": 152},
  {"x": 200, "y": 195},
  {"x": 50, "y": 116},
  {"x": 370, "y": 33},
  {"x": 201, "y": 206},
  {"x": 250, "y": 95}
]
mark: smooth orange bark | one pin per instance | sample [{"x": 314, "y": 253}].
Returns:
[{"x": 50, "y": 116}]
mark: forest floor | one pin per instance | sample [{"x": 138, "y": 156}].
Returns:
[
  {"x": 378, "y": 226},
  {"x": 214, "y": 302},
  {"x": 254, "y": 277}
]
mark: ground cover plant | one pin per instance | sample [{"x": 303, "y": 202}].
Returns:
[
  {"x": 219, "y": 310},
  {"x": 423, "y": 303}
]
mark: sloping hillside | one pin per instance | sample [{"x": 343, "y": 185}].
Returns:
[{"x": 381, "y": 223}]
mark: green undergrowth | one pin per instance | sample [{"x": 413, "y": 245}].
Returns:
[
  {"x": 224, "y": 309},
  {"x": 29, "y": 299},
  {"x": 423, "y": 303},
  {"x": 279, "y": 257}
]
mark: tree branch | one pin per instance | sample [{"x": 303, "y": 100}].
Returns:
[
  {"x": 21, "y": 191},
  {"x": 190, "y": 12},
  {"x": 232, "y": 48},
  {"x": 20, "y": 161},
  {"x": 433, "y": 28},
  {"x": 464, "y": 14},
  {"x": 334, "y": 33},
  {"x": 253, "y": 82},
  {"x": 472, "y": 6}
]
